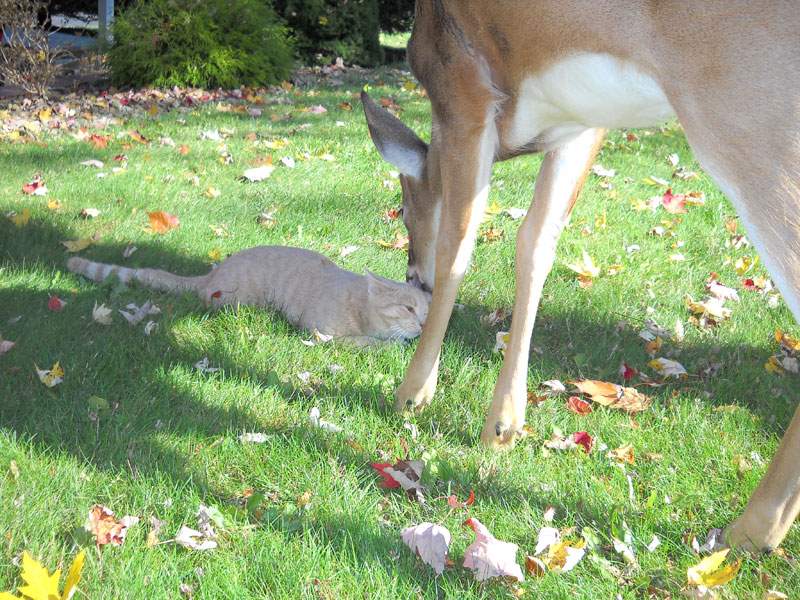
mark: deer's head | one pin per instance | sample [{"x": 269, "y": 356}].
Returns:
[{"x": 421, "y": 183}]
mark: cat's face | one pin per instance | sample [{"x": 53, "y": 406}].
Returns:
[{"x": 397, "y": 310}]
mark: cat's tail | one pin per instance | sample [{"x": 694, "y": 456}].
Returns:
[{"x": 152, "y": 278}]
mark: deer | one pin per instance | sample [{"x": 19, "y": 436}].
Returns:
[{"x": 553, "y": 76}]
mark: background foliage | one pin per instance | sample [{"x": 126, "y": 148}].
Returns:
[{"x": 211, "y": 43}]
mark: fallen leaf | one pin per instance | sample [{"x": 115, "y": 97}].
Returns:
[
  {"x": 489, "y": 557},
  {"x": 668, "y": 368},
  {"x": 585, "y": 268},
  {"x": 77, "y": 245},
  {"x": 400, "y": 242},
  {"x": 21, "y": 218},
  {"x": 35, "y": 188},
  {"x": 710, "y": 573},
  {"x": 89, "y": 213},
  {"x": 722, "y": 292},
  {"x": 5, "y": 346},
  {"x": 601, "y": 171},
  {"x": 674, "y": 204},
  {"x": 93, "y": 162},
  {"x": 135, "y": 314},
  {"x": 501, "y": 340},
  {"x": 583, "y": 439},
  {"x": 162, "y": 222},
  {"x": 578, "y": 406},
  {"x": 712, "y": 307},
  {"x": 453, "y": 502},
  {"x": 623, "y": 454},
  {"x": 554, "y": 385},
  {"x": 403, "y": 474},
  {"x": 102, "y": 314},
  {"x": 614, "y": 396},
  {"x": 347, "y": 250},
  {"x": 193, "y": 539},
  {"x": 50, "y": 377},
  {"x": 204, "y": 366},
  {"x": 258, "y": 173},
  {"x": 253, "y": 438},
  {"x": 105, "y": 528},
  {"x": 317, "y": 422},
  {"x": 515, "y": 213},
  {"x": 99, "y": 141},
  {"x": 431, "y": 543}
]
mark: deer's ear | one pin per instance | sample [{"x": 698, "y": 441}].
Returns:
[{"x": 397, "y": 143}]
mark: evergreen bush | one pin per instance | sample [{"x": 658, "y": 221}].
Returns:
[{"x": 200, "y": 43}]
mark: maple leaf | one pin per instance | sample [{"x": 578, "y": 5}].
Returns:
[
  {"x": 50, "y": 377},
  {"x": 35, "y": 188},
  {"x": 585, "y": 268},
  {"x": 612, "y": 395},
  {"x": 489, "y": 557},
  {"x": 405, "y": 474},
  {"x": 55, "y": 304},
  {"x": 562, "y": 555},
  {"x": 101, "y": 314},
  {"x": 431, "y": 543},
  {"x": 712, "y": 307},
  {"x": 105, "y": 528},
  {"x": 578, "y": 406},
  {"x": 39, "y": 584},
  {"x": 623, "y": 454},
  {"x": 709, "y": 573},
  {"x": 453, "y": 502},
  {"x": 674, "y": 204},
  {"x": 162, "y": 222},
  {"x": 583, "y": 439}
]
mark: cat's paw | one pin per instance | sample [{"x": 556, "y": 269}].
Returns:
[{"x": 411, "y": 396}]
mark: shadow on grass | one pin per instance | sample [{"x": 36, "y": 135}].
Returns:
[{"x": 131, "y": 439}]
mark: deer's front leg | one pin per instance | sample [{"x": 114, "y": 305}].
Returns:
[
  {"x": 557, "y": 187},
  {"x": 466, "y": 161}
]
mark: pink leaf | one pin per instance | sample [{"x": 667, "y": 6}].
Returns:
[
  {"x": 489, "y": 557},
  {"x": 454, "y": 503},
  {"x": 431, "y": 543}
]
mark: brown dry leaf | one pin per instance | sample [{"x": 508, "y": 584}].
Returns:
[
  {"x": 623, "y": 454},
  {"x": 105, "y": 528},
  {"x": 400, "y": 242},
  {"x": 612, "y": 395},
  {"x": 162, "y": 222}
]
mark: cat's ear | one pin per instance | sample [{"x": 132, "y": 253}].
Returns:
[
  {"x": 397, "y": 143},
  {"x": 377, "y": 284}
]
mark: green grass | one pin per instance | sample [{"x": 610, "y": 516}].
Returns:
[{"x": 170, "y": 440}]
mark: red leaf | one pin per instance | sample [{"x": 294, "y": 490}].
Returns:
[
  {"x": 453, "y": 502},
  {"x": 30, "y": 188},
  {"x": 749, "y": 284},
  {"x": 55, "y": 304},
  {"x": 217, "y": 294},
  {"x": 582, "y": 438},
  {"x": 388, "y": 481},
  {"x": 674, "y": 203},
  {"x": 627, "y": 372},
  {"x": 579, "y": 406}
]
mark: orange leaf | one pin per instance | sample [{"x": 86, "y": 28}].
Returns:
[{"x": 162, "y": 222}]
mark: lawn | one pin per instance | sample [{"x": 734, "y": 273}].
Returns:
[{"x": 317, "y": 524}]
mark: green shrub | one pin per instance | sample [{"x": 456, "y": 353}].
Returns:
[
  {"x": 346, "y": 28},
  {"x": 201, "y": 43}
]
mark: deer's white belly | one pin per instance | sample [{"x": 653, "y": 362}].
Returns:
[{"x": 585, "y": 90}]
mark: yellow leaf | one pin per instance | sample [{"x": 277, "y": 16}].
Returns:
[
  {"x": 744, "y": 264},
  {"x": 215, "y": 254},
  {"x": 77, "y": 245},
  {"x": 586, "y": 267},
  {"x": 774, "y": 366},
  {"x": 44, "y": 115},
  {"x": 52, "y": 377},
  {"x": 40, "y": 585},
  {"x": 21, "y": 219},
  {"x": 73, "y": 576},
  {"x": 53, "y": 204},
  {"x": 709, "y": 573},
  {"x": 153, "y": 110}
]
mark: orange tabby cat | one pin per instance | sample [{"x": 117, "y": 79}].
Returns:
[{"x": 306, "y": 287}]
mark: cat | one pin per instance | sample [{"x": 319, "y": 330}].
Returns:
[{"x": 307, "y": 288}]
